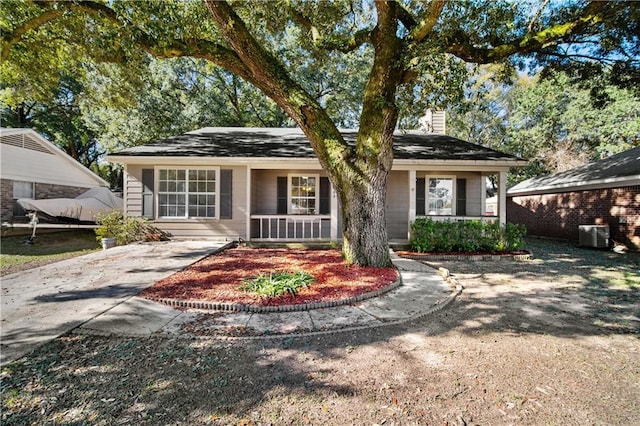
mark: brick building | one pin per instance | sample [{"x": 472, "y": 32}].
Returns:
[
  {"x": 604, "y": 192},
  {"x": 33, "y": 167}
]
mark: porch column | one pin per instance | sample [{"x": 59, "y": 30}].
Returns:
[
  {"x": 483, "y": 195},
  {"x": 412, "y": 201},
  {"x": 334, "y": 215},
  {"x": 248, "y": 204},
  {"x": 502, "y": 198}
]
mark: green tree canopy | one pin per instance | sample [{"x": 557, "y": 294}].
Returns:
[
  {"x": 416, "y": 51},
  {"x": 552, "y": 119}
]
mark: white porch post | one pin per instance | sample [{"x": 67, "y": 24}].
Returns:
[
  {"x": 334, "y": 214},
  {"x": 412, "y": 201},
  {"x": 248, "y": 204},
  {"x": 502, "y": 197},
  {"x": 483, "y": 195}
]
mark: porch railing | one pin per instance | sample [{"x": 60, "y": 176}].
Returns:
[{"x": 290, "y": 227}]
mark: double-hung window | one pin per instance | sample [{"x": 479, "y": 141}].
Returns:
[
  {"x": 303, "y": 194},
  {"x": 440, "y": 196},
  {"x": 186, "y": 193}
]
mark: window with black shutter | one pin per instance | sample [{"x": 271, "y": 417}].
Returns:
[
  {"x": 226, "y": 201},
  {"x": 461, "y": 197},
  {"x": 147, "y": 193},
  {"x": 420, "y": 196}
]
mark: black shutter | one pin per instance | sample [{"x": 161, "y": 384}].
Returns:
[
  {"x": 282, "y": 195},
  {"x": 325, "y": 196},
  {"x": 461, "y": 197},
  {"x": 420, "y": 196},
  {"x": 226, "y": 184},
  {"x": 147, "y": 193}
]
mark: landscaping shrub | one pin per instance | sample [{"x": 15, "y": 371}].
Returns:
[
  {"x": 277, "y": 284},
  {"x": 128, "y": 230},
  {"x": 428, "y": 235}
]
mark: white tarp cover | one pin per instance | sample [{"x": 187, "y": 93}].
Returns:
[{"x": 85, "y": 207}]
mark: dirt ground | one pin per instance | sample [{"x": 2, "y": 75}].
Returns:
[{"x": 550, "y": 341}]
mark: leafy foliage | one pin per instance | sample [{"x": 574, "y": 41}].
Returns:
[
  {"x": 428, "y": 235},
  {"x": 552, "y": 120},
  {"x": 128, "y": 230},
  {"x": 301, "y": 55},
  {"x": 277, "y": 284}
]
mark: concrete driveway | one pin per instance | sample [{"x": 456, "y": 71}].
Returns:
[{"x": 41, "y": 304}]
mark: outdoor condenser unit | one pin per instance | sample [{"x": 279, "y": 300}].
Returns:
[{"x": 593, "y": 235}]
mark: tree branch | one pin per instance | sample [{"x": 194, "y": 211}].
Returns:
[
  {"x": 270, "y": 76},
  {"x": 9, "y": 38},
  {"x": 350, "y": 44},
  {"x": 195, "y": 47},
  {"x": 429, "y": 20},
  {"x": 592, "y": 15}
]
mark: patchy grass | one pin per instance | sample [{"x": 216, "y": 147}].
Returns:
[{"x": 16, "y": 255}]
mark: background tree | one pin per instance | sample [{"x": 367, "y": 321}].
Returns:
[
  {"x": 411, "y": 46},
  {"x": 554, "y": 120}
]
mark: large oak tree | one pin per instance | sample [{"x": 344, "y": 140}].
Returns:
[{"x": 413, "y": 46}]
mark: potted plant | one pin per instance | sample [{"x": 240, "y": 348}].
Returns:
[{"x": 109, "y": 228}]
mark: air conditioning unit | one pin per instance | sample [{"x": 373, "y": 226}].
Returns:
[{"x": 593, "y": 235}]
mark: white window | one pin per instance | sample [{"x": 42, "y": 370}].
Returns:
[
  {"x": 303, "y": 194},
  {"x": 23, "y": 190},
  {"x": 187, "y": 192},
  {"x": 440, "y": 196}
]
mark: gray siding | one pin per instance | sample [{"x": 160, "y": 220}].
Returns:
[
  {"x": 194, "y": 228},
  {"x": 475, "y": 183},
  {"x": 264, "y": 196},
  {"x": 397, "y": 207}
]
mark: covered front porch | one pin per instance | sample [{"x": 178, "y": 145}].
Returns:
[{"x": 301, "y": 205}]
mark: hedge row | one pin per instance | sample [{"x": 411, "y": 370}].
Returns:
[{"x": 428, "y": 235}]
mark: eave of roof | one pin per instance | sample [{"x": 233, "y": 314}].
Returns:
[
  {"x": 291, "y": 143},
  {"x": 618, "y": 170},
  {"x": 59, "y": 152}
]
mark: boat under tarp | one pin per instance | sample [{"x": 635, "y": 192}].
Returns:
[{"x": 86, "y": 207}]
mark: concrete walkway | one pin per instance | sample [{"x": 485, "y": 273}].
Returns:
[
  {"x": 95, "y": 294},
  {"x": 43, "y": 303}
]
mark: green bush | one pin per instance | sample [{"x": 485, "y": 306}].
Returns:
[
  {"x": 128, "y": 230},
  {"x": 277, "y": 284},
  {"x": 428, "y": 235}
]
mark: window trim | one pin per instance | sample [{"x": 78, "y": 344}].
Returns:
[
  {"x": 290, "y": 177},
  {"x": 454, "y": 196},
  {"x": 156, "y": 188}
]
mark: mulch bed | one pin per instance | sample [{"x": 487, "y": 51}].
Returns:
[{"x": 217, "y": 278}]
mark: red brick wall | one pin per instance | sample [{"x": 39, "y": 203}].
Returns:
[
  {"x": 558, "y": 215},
  {"x": 42, "y": 191}
]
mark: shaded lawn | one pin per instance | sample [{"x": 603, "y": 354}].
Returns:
[
  {"x": 510, "y": 350},
  {"x": 16, "y": 255}
]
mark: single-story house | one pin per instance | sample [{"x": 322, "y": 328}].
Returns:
[
  {"x": 32, "y": 167},
  {"x": 266, "y": 184},
  {"x": 604, "y": 192}
]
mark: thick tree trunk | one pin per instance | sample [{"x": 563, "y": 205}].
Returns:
[
  {"x": 364, "y": 194},
  {"x": 364, "y": 229}
]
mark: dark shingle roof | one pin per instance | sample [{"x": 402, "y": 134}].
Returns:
[
  {"x": 243, "y": 142},
  {"x": 621, "y": 167}
]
